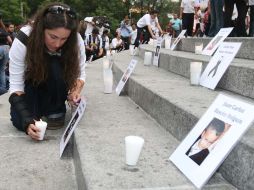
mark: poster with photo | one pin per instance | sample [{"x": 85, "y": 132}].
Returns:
[
  {"x": 219, "y": 64},
  {"x": 76, "y": 116},
  {"x": 177, "y": 40},
  {"x": 157, "y": 52},
  {"x": 213, "y": 137},
  {"x": 216, "y": 41},
  {"x": 126, "y": 76}
]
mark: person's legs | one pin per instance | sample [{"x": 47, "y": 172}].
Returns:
[
  {"x": 219, "y": 15},
  {"x": 147, "y": 35},
  {"x": 242, "y": 9},
  {"x": 213, "y": 19},
  {"x": 4, "y": 57},
  {"x": 251, "y": 33},
  {"x": 229, "y": 7},
  {"x": 137, "y": 40}
]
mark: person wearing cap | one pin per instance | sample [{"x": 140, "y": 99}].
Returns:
[{"x": 46, "y": 69}]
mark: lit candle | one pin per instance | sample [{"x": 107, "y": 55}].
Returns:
[
  {"x": 198, "y": 47},
  {"x": 42, "y": 125},
  {"x": 108, "y": 80},
  {"x": 195, "y": 72},
  {"x": 148, "y": 58}
]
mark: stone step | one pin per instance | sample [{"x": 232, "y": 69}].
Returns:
[
  {"x": 100, "y": 150},
  {"x": 238, "y": 78},
  {"x": 26, "y": 164},
  {"x": 177, "y": 106},
  {"x": 246, "y": 51}
]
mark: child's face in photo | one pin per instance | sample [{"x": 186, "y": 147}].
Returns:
[{"x": 208, "y": 137}]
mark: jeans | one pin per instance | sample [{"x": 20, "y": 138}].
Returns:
[
  {"x": 251, "y": 33},
  {"x": 4, "y": 57},
  {"x": 188, "y": 19},
  {"x": 216, "y": 17},
  {"x": 242, "y": 8}
]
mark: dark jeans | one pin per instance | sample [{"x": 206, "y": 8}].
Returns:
[
  {"x": 4, "y": 57},
  {"x": 242, "y": 8},
  {"x": 251, "y": 33},
  {"x": 188, "y": 19},
  {"x": 146, "y": 36},
  {"x": 216, "y": 17},
  {"x": 126, "y": 41}
]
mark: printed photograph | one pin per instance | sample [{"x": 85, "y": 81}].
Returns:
[{"x": 207, "y": 140}]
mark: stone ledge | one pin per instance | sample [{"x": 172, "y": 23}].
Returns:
[
  {"x": 177, "y": 106},
  {"x": 239, "y": 77},
  {"x": 100, "y": 144}
]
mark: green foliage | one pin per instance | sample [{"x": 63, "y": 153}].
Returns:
[{"x": 115, "y": 10}]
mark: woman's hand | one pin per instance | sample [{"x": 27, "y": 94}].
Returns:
[
  {"x": 74, "y": 98},
  {"x": 33, "y": 132}
]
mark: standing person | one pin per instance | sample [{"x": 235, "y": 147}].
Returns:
[
  {"x": 187, "y": 11},
  {"x": 242, "y": 9},
  {"x": 126, "y": 30},
  {"x": 216, "y": 11},
  {"x": 105, "y": 41},
  {"x": 46, "y": 69},
  {"x": 5, "y": 41},
  {"x": 251, "y": 5},
  {"x": 176, "y": 24},
  {"x": 133, "y": 33},
  {"x": 145, "y": 25},
  {"x": 10, "y": 29}
]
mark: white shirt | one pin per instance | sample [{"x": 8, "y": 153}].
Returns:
[
  {"x": 97, "y": 40},
  {"x": 188, "y": 6},
  {"x": 147, "y": 20},
  {"x": 17, "y": 62},
  {"x": 115, "y": 42}
]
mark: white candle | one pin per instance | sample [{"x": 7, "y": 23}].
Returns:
[
  {"x": 198, "y": 48},
  {"x": 131, "y": 47},
  {"x": 148, "y": 58},
  {"x": 167, "y": 43},
  {"x": 108, "y": 81},
  {"x": 42, "y": 125},
  {"x": 105, "y": 63},
  {"x": 195, "y": 72}
]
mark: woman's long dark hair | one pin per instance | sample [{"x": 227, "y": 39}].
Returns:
[{"x": 37, "y": 70}]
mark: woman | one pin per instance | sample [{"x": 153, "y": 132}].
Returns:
[
  {"x": 5, "y": 41},
  {"x": 117, "y": 43},
  {"x": 46, "y": 69}
]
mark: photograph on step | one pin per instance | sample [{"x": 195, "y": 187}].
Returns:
[
  {"x": 212, "y": 138},
  {"x": 218, "y": 64},
  {"x": 216, "y": 41}
]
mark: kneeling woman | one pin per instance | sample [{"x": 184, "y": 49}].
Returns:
[{"x": 46, "y": 69}]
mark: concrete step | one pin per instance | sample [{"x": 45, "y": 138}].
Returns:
[
  {"x": 100, "y": 150},
  {"x": 239, "y": 77},
  {"x": 246, "y": 51},
  {"x": 26, "y": 164},
  {"x": 177, "y": 106}
]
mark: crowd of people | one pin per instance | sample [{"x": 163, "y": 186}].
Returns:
[
  {"x": 40, "y": 81},
  {"x": 204, "y": 18}
]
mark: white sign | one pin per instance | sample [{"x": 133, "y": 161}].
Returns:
[
  {"x": 219, "y": 64},
  {"x": 177, "y": 40},
  {"x": 212, "y": 138},
  {"x": 157, "y": 51},
  {"x": 126, "y": 76},
  {"x": 72, "y": 125},
  {"x": 216, "y": 41}
]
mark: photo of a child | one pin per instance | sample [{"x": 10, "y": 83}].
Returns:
[{"x": 208, "y": 139}]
